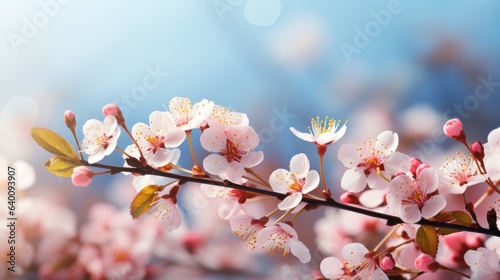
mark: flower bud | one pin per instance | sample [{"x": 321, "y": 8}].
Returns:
[
  {"x": 426, "y": 263},
  {"x": 82, "y": 176},
  {"x": 478, "y": 150},
  {"x": 453, "y": 128},
  {"x": 349, "y": 198},
  {"x": 387, "y": 262},
  {"x": 415, "y": 162},
  {"x": 112, "y": 109},
  {"x": 70, "y": 120}
]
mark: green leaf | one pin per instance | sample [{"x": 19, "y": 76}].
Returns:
[
  {"x": 462, "y": 217},
  {"x": 53, "y": 143},
  {"x": 142, "y": 201},
  {"x": 427, "y": 240},
  {"x": 61, "y": 166}
]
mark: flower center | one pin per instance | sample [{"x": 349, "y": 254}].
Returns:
[
  {"x": 231, "y": 152},
  {"x": 156, "y": 143}
]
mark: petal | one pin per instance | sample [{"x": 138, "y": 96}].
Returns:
[
  {"x": 494, "y": 138},
  {"x": 211, "y": 191},
  {"x": 280, "y": 180},
  {"x": 428, "y": 180},
  {"x": 409, "y": 213},
  {"x": 300, "y": 250},
  {"x": 376, "y": 182},
  {"x": 246, "y": 138},
  {"x": 372, "y": 198},
  {"x": 432, "y": 206},
  {"x": 200, "y": 112},
  {"x": 398, "y": 162},
  {"x": 387, "y": 142},
  {"x": 156, "y": 122},
  {"x": 331, "y": 268},
  {"x": 109, "y": 125},
  {"x": 161, "y": 157},
  {"x": 312, "y": 181},
  {"x": 349, "y": 155},
  {"x": 141, "y": 132},
  {"x": 174, "y": 137},
  {"x": 326, "y": 138},
  {"x": 229, "y": 210},
  {"x": 290, "y": 201},
  {"x": 92, "y": 126},
  {"x": 304, "y": 136},
  {"x": 378, "y": 274},
  {"x": 353, "y": 180},
  {"x": 354, "y": 253},
  {"x": 99, "y": 155},
  {"x": 299, "y": 165},
  {"x": 215, "y": 164},
  {"x": 213, "y": 139},
  {"x": 234, "y": 172},
  {"x": 252, "y": 159}
]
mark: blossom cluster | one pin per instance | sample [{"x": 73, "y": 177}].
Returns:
[{"x": 379, "y": 181}]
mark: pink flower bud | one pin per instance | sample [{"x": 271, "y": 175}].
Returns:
[
  {"x": 387, "y": 262},
  {"x": 415, "y": 162},
  {"x": 426, "y": 263},
  {"x": 82, "y": 176},
  {"x": 112, "y": 109},
  {"x": 453, "y": 128},
  {"x": 69, "y": 119},
  {"x": 478, "y": 150},
  {"x": 349, "y": 198},
  {"x": 421, "y": 167}
]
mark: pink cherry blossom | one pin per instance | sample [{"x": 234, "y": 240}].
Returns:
[
  {"x": 322, "y": 132},
  {"x": 360, "y": 263},
  {"x": 484, "y": 263},
  {"x": 459, "y": 173},
  {"x": 295, "y": 183},
  {"x": 188, "y": 116},
  {"x": 373, "y": 157},
  {"x": 100, "y": 138},
  {"x": 282, "y": 237},
  {"x": 332, "y": 268},
  {"x": 232, "y": 150},
  {"x": 156, "y": 138},
  {"x": 82, "y": 176},
  {"x": 411, "y": 199},
  {"x": 492, "y": 154},
  {"x": 247, "y": 227}
]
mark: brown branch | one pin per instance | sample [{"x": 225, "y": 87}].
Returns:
[{"x": 391, "y": 220}]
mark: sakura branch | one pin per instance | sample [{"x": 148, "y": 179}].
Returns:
[{"x": 380, "y": 183}]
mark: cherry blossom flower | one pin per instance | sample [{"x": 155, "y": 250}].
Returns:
[
  {"x": 156, "y": 138},
  {"x": 461, "y": 172},
  {"x": 411, "y": 199},
  {"x": 232, "y": 150},
  {"x": 100, "y": 138},
  {"x": 484, "y": 263},
  {"x": 332, "y": 268},
  {"x": 361, "y": 263},
  {"x": 322, "y": 132},
  {"x": 283, "y": 237},
  {"x": 295, "y": 183},
  {"x": 223, "y": 116},
  {"x": 188, "y": 116},
  {"x": 453, "y": 128},
  {"x": 247, "y": 227},
  {"x": 373, "y": 159}
]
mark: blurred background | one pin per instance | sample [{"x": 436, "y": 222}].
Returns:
[{"x": 402, "y": 65}]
